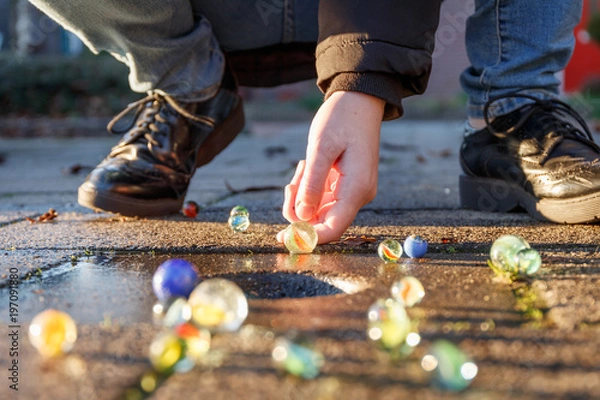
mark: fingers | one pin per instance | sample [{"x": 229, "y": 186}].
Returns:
[
  {"x": 341, "y": 204},
  {"x": 290, "y": 192},
  {"x": 311, "y": 188},
  {"x": 350, "y": 195},
  {"x": 326, "y": 144},
  {"x": 290, "y": 196},
  {"x": 298, "y": 174}
]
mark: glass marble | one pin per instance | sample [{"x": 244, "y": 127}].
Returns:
[
  {"x": 513, "y": 255},
  {"x": 179, "y": 350},
  {"x": 171, "y": 313},
  {"x": 415, "y": 246},
  {"x": 166, "y": 351},
  {"x": 451, "y": 369},
  {"x": 190, "y": 209},
  {"x": 52, "y": 333},
  {"x": 239, "y": 219},
  {"x": 149, "y": 381},
  {"x": 239, "y": 210},
  {"x": 218, "y": 305},
  {"x": 297, "y": 359},
  {"x": 239, "y": 223},
  {"x": 389, "y": 250},
  {"x": 196, "y": 340},
  {"x": 300, "y": 237},
  {"x": 528, "y": 261},
  {"x": 408, "y": 291},
  {"x": 389, "y": 324},
  {"x": 174, "y": 278},
  {"x": 504, "y": 251}
]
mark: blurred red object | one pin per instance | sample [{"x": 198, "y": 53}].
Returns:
[{"x": 584, "y": 67}]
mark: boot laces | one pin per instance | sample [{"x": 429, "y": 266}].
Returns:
[
  {"x": 554, "y": 119},
  {"x": 549, "y": 122},
  {"x": 147, "y": 127}
]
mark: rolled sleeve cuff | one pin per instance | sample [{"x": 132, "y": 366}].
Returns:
[{"x": 381, "y": 85}]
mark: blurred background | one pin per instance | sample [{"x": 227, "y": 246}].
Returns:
[{"x": 50, "y": 84}]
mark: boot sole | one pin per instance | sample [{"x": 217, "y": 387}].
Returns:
[
  {"x": 496, "y": 195},
  {"x": 220, "y": 138},
  {"x": 128, "y": 206}
]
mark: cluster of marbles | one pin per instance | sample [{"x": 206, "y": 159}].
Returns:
[
  {"x": 191, "y": 312},
  {"x": 300, "y": 237},
  {"x": 190, "y": 209},
  {"x": 239, "y": 219},
  {"x": 217, "y": 305},
  {"x": 389, "y": 325},
  {"x": 450, "y": 367},
  {"x": 390, "y": 250},
  {"x": 52, "y": 333},
  {"x": 297, "y": 358},
  {"x": 511, "y": 255}
]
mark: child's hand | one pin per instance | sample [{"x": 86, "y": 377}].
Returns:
[{"x": 339, "y": 175}]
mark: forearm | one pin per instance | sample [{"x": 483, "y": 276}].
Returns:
[{"x": 381, "y": 48}]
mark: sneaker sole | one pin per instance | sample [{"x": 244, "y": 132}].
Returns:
[
  {"x": 496, "y": 195},
  {"x": 220, "y": 138}
]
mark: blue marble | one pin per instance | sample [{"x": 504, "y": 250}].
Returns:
[
  {"x": 415, "y": 246},
  {"x": 174, "y": 278}
]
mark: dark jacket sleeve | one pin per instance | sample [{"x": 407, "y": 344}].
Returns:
[{"x": 378, "y": 47}]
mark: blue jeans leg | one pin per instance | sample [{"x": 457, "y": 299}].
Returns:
[
  {"x": 516, "y": 45},
  {"x": 174, "y": 46},
  {"x": 165, "y": 48}
]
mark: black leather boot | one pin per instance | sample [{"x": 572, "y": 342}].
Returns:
[
  {"x": 148, "y": 172},
  {"x": 541, "y": 157}
]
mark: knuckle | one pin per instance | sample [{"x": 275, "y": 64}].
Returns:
[{"x": 311, "y": 192}]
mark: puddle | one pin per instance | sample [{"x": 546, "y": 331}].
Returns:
[
  {"x": 282, "y": 285},
  {"x": 119, "y": 290}
]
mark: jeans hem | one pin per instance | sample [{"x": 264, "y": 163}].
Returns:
[{"x": 508, "y": 104}]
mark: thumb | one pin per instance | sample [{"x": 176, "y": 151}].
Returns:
[{"x": 312, "y": 186}]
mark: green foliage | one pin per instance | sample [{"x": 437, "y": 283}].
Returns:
[
  {"x": 63, "y": 86},
  {"x": 587, "y": 102},
  {"x": 593, "y": 27},
  {"x": 311, "y": 101}
]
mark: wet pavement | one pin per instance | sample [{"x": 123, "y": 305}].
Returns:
[{"x": 538, "y": 338}]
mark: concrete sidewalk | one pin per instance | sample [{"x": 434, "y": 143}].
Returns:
[{"x": 98, "y": 266}]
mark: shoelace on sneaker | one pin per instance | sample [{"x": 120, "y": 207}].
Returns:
[
  {"x": 550, "y": 123},
  {"x": 146, "y": 127}
]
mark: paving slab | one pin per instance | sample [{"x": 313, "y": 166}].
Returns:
[
  {"x": 538, "y": 338},
  {"x": 27, "y": 264}
]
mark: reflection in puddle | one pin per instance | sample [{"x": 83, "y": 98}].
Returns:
[
  {"x": 119, "y": 290},
  {"x": 281, "y": 285},
  {"x": 90, "y": 291}
]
